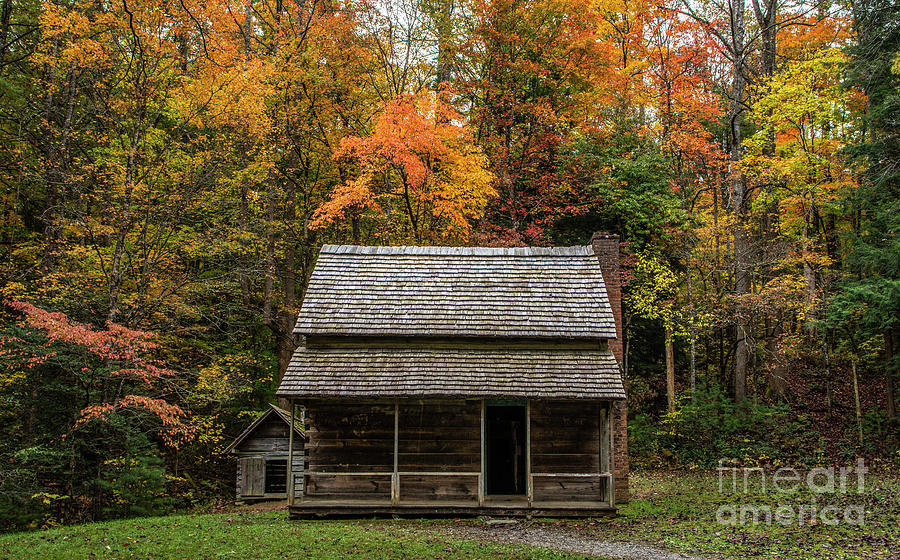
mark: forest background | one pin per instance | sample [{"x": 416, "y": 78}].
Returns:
[{"x": 169, "y": 169}]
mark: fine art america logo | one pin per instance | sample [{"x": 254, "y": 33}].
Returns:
[{"x": 784, "y": 481}]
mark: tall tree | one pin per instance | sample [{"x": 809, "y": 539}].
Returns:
[
  {"x": 730, "y": 28},
  {"x": 875, "y": 239}
]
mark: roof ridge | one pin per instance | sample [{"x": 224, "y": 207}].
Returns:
[{"x": 413, "y": 250}]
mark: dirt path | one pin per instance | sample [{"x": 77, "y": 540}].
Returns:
[{"x": 559, "y": 538}]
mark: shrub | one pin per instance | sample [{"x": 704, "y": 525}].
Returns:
[{"x": 712, "y": 427}]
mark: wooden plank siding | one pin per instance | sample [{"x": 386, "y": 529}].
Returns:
[
  {"x": 439, "y": 459},
  {"x": 440, "y": 436},
  {"x": 565, "y": 439},
  {"x": 350, "y": 436},
  {"x": 268, "y": 441},
  {"x": 269, "y": 437}
]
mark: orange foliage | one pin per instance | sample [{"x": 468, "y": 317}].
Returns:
[{"x": 420, "y": 152}]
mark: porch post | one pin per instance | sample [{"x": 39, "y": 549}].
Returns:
[
  {"x": 290, "y": 465},
  {"x": 529, "y": 481},
  {"x": 481, "y": 480},
  {"x": 395, "y": 477},
  {"x": 610, "y": 452},
  {"x": 603, "y": 435}
]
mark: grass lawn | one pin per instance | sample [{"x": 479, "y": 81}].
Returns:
[
  {"x": 253, "y": 535},
  {"x": 678, "y": 511},
  {"x": 669, "y": 510}
]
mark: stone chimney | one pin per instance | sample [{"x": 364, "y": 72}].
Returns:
[{"x": 606, "y": 248}]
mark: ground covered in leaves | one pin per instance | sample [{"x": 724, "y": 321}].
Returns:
[{"x": 679, "y": 511}]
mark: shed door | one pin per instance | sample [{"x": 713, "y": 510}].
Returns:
[{"x": 253, "y": 471}]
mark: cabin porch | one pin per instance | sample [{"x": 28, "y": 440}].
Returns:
[
  {"x": 534, "y": 457},
  {"x": 311, "y": 508}
]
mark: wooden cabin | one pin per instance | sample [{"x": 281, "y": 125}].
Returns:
[
  {"x": 263, "y": 456},
  {"x": 461, "y": 381}
]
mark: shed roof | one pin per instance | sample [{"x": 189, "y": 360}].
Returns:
[
  {"x": 476, "y": 372},
  {"x": 457, "y": 291},
  {"x": 284, "y": 415}
]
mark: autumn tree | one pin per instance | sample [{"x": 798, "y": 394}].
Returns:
[
  {"x": 87, "y": 402},
  {"x": 652, "y": 295},
  {"x": 531, "y": 76},
  {"x": 420, "y": 175}
]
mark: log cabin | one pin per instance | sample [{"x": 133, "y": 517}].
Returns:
[{"x": 460, "y": 381}]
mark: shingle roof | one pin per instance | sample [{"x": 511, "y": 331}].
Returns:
[
  {"x": 457, "y": 291},
  {"x": 484, "y": 372},
  {"x": 283, "y": 414}
]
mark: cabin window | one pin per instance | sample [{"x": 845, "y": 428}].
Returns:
[
  {"x": 505, "y": 443},
  {"x": 276, "y": 476}
]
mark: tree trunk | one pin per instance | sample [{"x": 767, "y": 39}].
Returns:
[
  {"x": 289, "y": 276},
  {"x": 766, "y": 12},
  {"x": 269, "y": 286},
  {"x": 287, "y": 316},
  {"x": 809, "y": 273},
  {"x": 244, "y": 222},
  {"x": 443, "y": 20},
  {"x": 741, "y": 242},
  {"x": 775, "y": 378},
  {"x": 856, "y": 399},
  {"x": 741, "y": 288},
  {"x": 828, "y": 396},
  {"x": 890, "y": 406},
  {"x": 670, "y": 370},
  {"x": 766, "y": 18},
  {"x": 693, "y": 333},
  {"x": 116, "y": 273},
  {"x": 51, "y": 179},
  {"x": 5, "y": 13},
  {"x": 282, "y": 328},
  {"x": 243, "y": 204}
]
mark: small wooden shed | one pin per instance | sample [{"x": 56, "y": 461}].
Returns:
[
  {"x": 262, "y": 450},
  {"x": 461, "y": 381}
]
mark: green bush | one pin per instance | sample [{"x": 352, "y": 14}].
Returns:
[
  {"x": 132, "y": 482},
  {"x": 27, "y": 497},
  {"x": 712, "y": 427}
]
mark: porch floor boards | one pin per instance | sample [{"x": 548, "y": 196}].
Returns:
[{"x": 503, "y": 506}]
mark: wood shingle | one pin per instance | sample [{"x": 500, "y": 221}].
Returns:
[
  {"x": 534, "y": 292},
  {"x": 483, "y": 372}
]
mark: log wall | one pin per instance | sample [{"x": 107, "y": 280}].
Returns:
[
  {"x": 350, "y": 436},
  {"x": 565, "y": 438},
  {"x": 445, "y": 437},
  {"x": 440, "y": 436}
]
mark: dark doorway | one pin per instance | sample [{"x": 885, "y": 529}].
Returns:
[
  {"x": 276, "y": 476},
  {"x": 505, "y": 440}
]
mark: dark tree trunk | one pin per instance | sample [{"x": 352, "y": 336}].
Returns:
[
  {"x": 269, "y": 264},
  {"x": 670, "y": 371},
  {"x": 738, "y": 192},
  {"x": 116, "y": 271},
  {"x": 890, "y": 405},
  {"x": 775, "y": 379},
  {"x": 443, "y": 19},
  {"x": 5, "y": 13}
]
